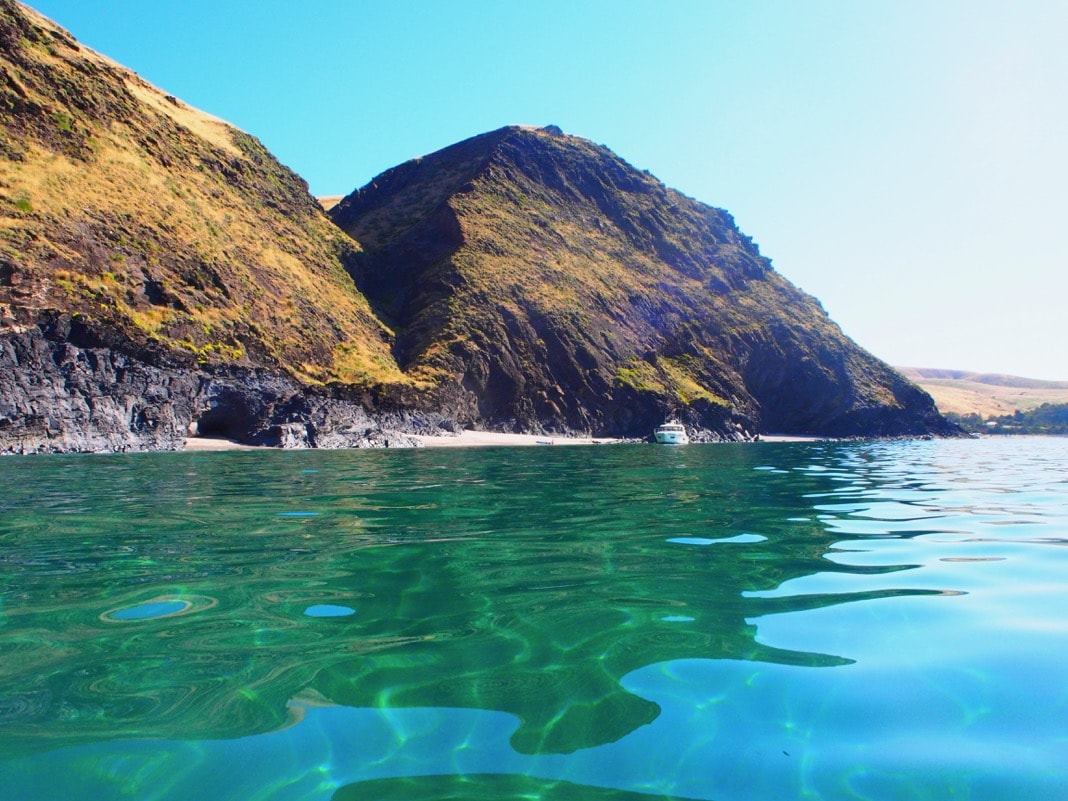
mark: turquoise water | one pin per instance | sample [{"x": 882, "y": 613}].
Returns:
[{"x": 725, "y": 622}]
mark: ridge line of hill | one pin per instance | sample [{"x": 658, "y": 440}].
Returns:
[{"x": 994, "y": 379}]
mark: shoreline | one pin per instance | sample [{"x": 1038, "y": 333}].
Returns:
[
  {"x": 216, "y": 444},
  {"x": 472, "y": 439},
  {"x": 482, "y": 439}
]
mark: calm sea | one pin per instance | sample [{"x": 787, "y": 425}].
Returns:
[{"x": 750, "y": 622}]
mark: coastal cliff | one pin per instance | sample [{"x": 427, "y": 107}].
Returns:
[
  {"x": 157, "y": 264},
  {"x": 162, "y": 273},
  {"x": 539, "y": 282},
  {"x": 61, "y": 392}
]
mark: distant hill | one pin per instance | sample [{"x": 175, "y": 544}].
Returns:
[
  {"x": 986, "y": 394},
  {"x": 538, "y": 281}
]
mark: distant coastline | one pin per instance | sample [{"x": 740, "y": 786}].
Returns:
[{"x": 986, "y": 394}]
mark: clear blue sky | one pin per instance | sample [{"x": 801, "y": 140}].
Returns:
[{"x": 905, "y": 161}]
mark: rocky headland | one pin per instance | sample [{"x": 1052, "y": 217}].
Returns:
[{"x": 161, "y": 273}]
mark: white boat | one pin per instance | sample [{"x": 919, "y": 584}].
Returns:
[{"x": 671, "y": 433}]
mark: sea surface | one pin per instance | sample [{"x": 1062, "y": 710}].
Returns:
[{"x": 730, "y": 622}]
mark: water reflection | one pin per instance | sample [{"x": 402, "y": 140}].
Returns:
[
  {"x": 525, "y": 582},
  {"x": 580, "y": 606}
]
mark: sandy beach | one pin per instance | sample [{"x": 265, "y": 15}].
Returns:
[
  {"x": 475, "y": 439},
  {"x": 489, "y": 438},
  {"x": 465, "y": 439},
  {"x": 469, "y": 439},
  {"x": 216, "y": 444}
]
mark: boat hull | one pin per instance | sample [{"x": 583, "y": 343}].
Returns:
[{"x": 671, "y": 438}]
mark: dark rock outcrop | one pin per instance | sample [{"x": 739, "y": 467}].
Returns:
[{"x": 56, "y": 396}]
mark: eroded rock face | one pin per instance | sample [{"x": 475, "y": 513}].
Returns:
[{"x": 59, "y": 397}]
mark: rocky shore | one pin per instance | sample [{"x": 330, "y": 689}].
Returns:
[{"x": 58, "y": 397}]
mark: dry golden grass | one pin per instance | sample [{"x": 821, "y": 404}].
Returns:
[
  {"x": 141, "y": 190},
  {"x": 198, "y": 122},
  {"x": 204, "y": 125},
  {"x": 967, "y": 395}
]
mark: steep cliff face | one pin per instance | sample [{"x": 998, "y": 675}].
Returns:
[
  {"x": 172, "y": 234},
  {"x": 538, "y": 281}
]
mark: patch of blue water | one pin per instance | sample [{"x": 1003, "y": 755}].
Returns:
[
  {"x": 740, "y": 538},
  {"x": 150, "y": 611},
  {"x": 728, "y": 730},
  {"x": 329, "y": 610}
]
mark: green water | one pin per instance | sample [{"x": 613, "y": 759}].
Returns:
[{"x": 759, "y": 621}]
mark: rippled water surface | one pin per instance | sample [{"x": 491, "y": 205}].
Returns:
[{"x": 725, "y": 622}]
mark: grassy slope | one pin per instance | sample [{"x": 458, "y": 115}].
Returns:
[
  {"x": 141, "y": 215},
  {"x": 962, "y": 392},
  {"x": 576, "y": 273}
]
